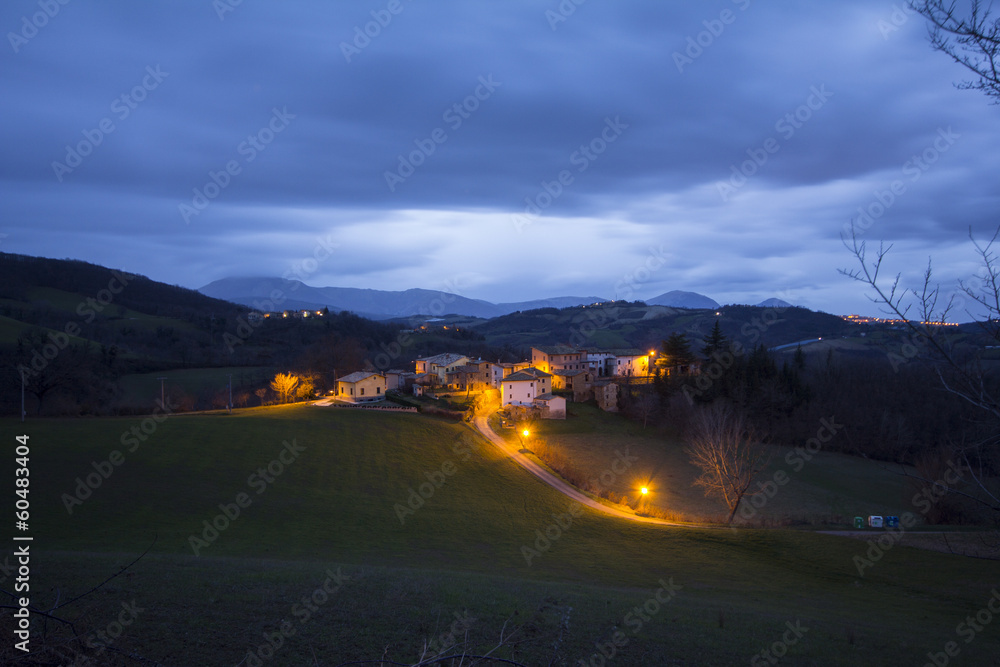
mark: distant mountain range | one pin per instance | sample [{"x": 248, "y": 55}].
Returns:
[
  {"x": 371, "y": 303},
  {"x": 265, "y": 293}
]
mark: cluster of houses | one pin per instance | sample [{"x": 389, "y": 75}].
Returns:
[{"x": 542, "y": 382}]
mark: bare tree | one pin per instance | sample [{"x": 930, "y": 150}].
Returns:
[
  {"x": 646, "y": 406},
  {"x": 923, "y": 311},
  {"x": 971, "y": 38},
  {"x": 284, "y": 384},
  {"x": 724, "y": 446}
]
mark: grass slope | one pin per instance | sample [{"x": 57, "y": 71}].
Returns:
[
  {"x": 334, "y": 506},
  {"x": 826, "y": 488}
]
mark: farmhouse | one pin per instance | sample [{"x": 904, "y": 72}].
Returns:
[
  {"x": 361, "y": 386},
  {"x": 544, "y": 379},
  {"x": 600, "y": 364},
  {"x": 492, "y": 372},
  {"x": 551, "y": 406},
  {"x": 577, "y": 382},
  {"x": 466, "y": 377},
  {"x": 440, "y": 365},
  {"x": 606, "y": 393},
  {"x": 628, "y": 362},
  {"x": 394, "y": 378},
  {"x": 558, "y": 357},
  {"x": 523, "y": 387}
]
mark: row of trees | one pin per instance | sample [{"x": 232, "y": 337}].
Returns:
[
  {"x": 964, "y": 424},
  {"x": 892, "y": 412}
]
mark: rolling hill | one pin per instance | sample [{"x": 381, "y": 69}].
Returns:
[
  {"x": 421, "y": 521},
  {"x": 623, "y": 324},
  {"x": 372, "y": 303}
]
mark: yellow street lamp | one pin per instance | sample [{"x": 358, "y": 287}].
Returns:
[
  {"x": 526, "y": 433},
  {"x": 644, "y": 490}
]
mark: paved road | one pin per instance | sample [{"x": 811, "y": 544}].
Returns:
[{"x": 556, "y": 483}]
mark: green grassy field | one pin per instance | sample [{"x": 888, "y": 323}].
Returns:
[
  {"x": 145, "y": 387},
  {"x": 336, "y": 502},
  {"x": 827, "y": 489}
]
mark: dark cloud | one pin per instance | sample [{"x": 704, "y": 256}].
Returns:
[{"x": 685, "y": 122}]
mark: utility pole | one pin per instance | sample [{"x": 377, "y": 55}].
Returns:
[
  {"x": 22, "y": 395},
  {"x": 163, "y": 404},
  {"x": 230, "y": 393}
]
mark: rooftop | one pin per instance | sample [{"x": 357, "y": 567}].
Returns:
[
  {"x": 627, "y": 352},
  {"x": 357, "y": 376},
  {"x": 558, "y": 349},
  {"x": 445, "y": 359},
  {"x": 520, "y": 376}
]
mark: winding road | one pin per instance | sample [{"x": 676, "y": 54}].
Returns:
[{"x": 482, "y": 425}]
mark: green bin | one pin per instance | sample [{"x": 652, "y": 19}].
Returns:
[{"x": 859, "y": 522}]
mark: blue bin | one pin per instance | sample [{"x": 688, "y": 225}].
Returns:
[{"x": 891, "y": 521}]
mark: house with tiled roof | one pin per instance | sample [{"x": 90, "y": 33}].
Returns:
[
  {"x": 523, "y": 387},
  {"x": 629, "y": 362},
  {"x": 440, "y": 365},
  {"x": 558, "y": 357},
  {"x": 466, "y": 377},
  {"x": 606, "y": 393},
  {"x": 576, "y": 381},
  {"x": 361, "y": 386},
  {"x": 551, "y": 406}
]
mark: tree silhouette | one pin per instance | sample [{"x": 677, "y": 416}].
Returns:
[
  {"x": 972, "y": 39},
  {"x": 715, "y": 342},
  {"x": 675, "y": 352},
  {"x": 725, "y": 448}
]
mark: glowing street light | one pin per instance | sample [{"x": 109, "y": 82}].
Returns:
[
  {"x": 644, "y": 490},
  {"x": 526, "y": 433}
]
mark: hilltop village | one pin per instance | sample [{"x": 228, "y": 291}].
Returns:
[{"x": 543, "y": 383}]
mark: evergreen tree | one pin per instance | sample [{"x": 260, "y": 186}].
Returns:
[
  {"x": 675, "y": 352},
  {"x": 716, "y": 341}
]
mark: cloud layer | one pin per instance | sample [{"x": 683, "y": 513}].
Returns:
[{"x": 506, "y": 151}]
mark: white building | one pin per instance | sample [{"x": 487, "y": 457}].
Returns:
[
  {"x": 621, "y": 362},
  {"x": 361, "y": 386}
]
